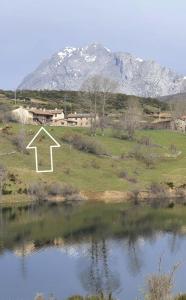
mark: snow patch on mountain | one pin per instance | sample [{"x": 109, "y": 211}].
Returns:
[
  {"x": 139, "y": 59},
  {"x": 90, "y": 58}
]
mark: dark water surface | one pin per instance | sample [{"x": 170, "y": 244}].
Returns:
[{"x": 40, "y": 254}]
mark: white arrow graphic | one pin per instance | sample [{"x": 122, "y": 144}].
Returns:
[{"x": 31, "y": 146}]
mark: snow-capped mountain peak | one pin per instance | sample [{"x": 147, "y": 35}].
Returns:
[{"x": 70, "y": 67}]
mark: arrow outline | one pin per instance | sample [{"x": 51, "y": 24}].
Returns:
[{"x": 51, "y": 151}]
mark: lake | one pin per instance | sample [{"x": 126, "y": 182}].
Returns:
[{"x": 47, "y": 249}]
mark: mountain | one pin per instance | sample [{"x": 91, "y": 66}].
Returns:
[
  {"x": 174, "y": 98},
  {"x": 69, "y": 68}
]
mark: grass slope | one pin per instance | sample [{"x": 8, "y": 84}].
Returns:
[{"x": 89, "y": 172}]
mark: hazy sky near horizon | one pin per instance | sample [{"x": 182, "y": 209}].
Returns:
[{"x": 32, "y": 30}]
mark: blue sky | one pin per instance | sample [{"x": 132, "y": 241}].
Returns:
[{"x": 32, "y": 30}]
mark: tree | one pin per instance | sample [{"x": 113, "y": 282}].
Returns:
[
  {"x": 91, "y": 90},
  {"x": 98, "y": 90},
  {"x": 107, "y": 87},
  {"x": 130, "y": 120}
]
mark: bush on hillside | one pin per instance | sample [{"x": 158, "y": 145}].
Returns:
[
  {"x": 20, "y": 142},
  {"x": 5, "y": 114},
  {"x": 158, "y": 192},
  {"x": 68, "y": 190},
  {"x": 55, "y": 189},
  {"x": 38, "y": 191},
  {"x": 85, "y": 144},
  {"x": 146, "y": 156}
]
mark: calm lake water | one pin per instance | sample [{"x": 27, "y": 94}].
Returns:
[{"x": 65, "y": 265}]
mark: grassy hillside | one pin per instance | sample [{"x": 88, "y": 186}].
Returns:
[{"x": 128, "y": 165}]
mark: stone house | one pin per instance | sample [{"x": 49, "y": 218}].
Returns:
[
  {"x": 38, "y": 116},
  {"x": 162, "y": 120},
  {"x": 161, "y": 124},
  {"x": 80, "y": 119},
  {"x": 54, "y": 117}
]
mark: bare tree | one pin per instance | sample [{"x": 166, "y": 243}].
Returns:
[
  {"x": 130, "y": 120},
  {"x": 91, "y": 87},
  {"x": 98, "y": 90},
  {"x": 107, "y": 87}
]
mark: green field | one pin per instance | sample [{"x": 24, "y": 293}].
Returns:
[{"x": 89, "y": 172}]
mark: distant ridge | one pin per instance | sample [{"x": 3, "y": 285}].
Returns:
[{"x": 173, "y": 98}]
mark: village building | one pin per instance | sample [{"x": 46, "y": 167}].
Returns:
[
  {"x": 161, "y": 120},
  {"x": 38, "y": 116},
  {"x": 80, "y": 120},
  {"x": 43, "y": 116},
  {"x": 54, "y": 117},
  {"x": 161, "y": 124}
]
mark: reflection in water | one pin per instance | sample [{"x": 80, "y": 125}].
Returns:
[
  {"x": 97, "y": 277},
  {"x": 135, "y": 261},
  {"x": 175, "y": 242},
  {"x": 23, "y": 254},
  {"x": 81, "y": 250}
]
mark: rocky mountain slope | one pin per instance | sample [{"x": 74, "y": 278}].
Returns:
[
  {"x": 69, "y": 68},
  {"x": 174, "y": 98}
]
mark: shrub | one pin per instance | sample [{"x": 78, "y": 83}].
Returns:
[
  {"x": 135, "y": 195},
  {"x": 38, "y": 191},
  {"x": 171, "y": 205},
  {"x": 85, "y": 144},
  {"x": 159, "y": 286},
  {"x": 124, "y": 175},
  {"x": 145, "y": 140},
  {"x": 157, "y": 188},
  {"x": 159, "y": 193},
  {"x": 5, "y": 114},
  {"x": 20, "y": 142},
  {"x": 144, "y": 155},
  {"x": 69, "y": 190},
  {"x": 55, "y": 189}
]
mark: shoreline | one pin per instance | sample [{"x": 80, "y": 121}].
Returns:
[{"x": 109, "y": 196}]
